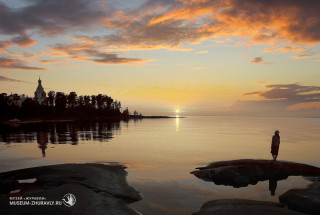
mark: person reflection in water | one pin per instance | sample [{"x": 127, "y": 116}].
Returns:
[
  {"x": 43, "y": 148},
  {"x": 275, "y": 145},
  {"x": 273, "y": 186},
  {"x": 42, "y": 139}
]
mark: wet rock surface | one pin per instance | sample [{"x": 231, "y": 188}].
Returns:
[
  {"x": 305, "y": 200},
  {"x": 98, "y": 188},
  {"x": 243, "y": 207},
  {"x": 241, "y": 173}
]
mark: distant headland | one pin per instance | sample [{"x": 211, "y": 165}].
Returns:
[{"x": 58, "y": 106}]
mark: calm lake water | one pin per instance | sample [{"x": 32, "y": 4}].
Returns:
[{"x": 161, "y": 153}]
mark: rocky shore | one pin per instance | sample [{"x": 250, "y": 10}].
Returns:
[
  {"x": 241, "y": 173},
  {"x": 96, "y": 188},
  {"x": 304, "y": 200}
]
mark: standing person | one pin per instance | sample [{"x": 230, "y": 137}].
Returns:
[{"x": 275, "y": 145}]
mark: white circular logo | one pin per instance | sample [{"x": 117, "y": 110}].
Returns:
[{"x": 69, "y": 200}]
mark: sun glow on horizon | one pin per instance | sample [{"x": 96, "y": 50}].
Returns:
[{"x": 177, "y": 110}]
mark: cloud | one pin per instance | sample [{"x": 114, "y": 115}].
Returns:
[
  {"x": 201, "y": 52},
  {"x": 294, "y": 92},
  {"x": 170, "y": 24},
  {"x": 251, "y": 93},
  {"x": 258, "y": 60},
  {"x": 89, "y": 52},
  {"x": 50, "y": 17},
  {"x": 10, "y": 63},
  {"x": 304, "y": 56},
  {"x": 259, "y": 20},
  {"x": 287, "y": 49},
  {"x": 23, "y": 41},
  {"x": 161, "y": 24},
  {"x": 5, "y": 44},
  {"x": 52, "y": 61},
  {"x": 278, "y": 99},
  {"x": 6, "y": 79}
]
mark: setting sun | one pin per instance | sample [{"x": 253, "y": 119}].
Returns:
[{"x": 177, "y": 111}]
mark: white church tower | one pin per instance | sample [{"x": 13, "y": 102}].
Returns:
[{"x": 40, "y": 94}]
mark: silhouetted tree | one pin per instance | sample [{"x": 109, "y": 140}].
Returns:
[
  {"x": 51, "y": 98},
  {"x": 4, "y": 107},
  {"x": 72, "y": 100},
  {"x": 116, "y": 106},
  {"x": 81, "y": 102},
  {"x": 126, "y": 112},
  {"x": 61, "y": 102},
  {"x": 29, "y": 106},
  {"x": 109, "y": 102},
  {"x": 93, "y": 101},
  {"x": 99, "y": 101},
  {"x": 87, "y": 103}
]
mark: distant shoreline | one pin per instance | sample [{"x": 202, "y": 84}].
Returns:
[{"x": 73, "y": 119}]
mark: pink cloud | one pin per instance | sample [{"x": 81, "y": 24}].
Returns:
[{"x": 11, "y": 63}]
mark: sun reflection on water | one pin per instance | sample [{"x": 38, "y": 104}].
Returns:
[{"x": 177, "y": 122}]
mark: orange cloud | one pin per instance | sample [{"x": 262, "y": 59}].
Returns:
[
  {"x": 10, "y": 63},
  {"x": 304, "y": 56},
  {"x": 5, "y": 44},
  {"x": 287, "y": 49},
  {"x": 201, "y": 52},
  {"x": 158, "y": 24},
  {"x": 90, "y": 52},
  {"x": 52, "y": 61},
  {"x": 162, "y": 25}
]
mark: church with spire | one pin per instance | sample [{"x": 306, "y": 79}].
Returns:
[{"x": 40, "y": 94}]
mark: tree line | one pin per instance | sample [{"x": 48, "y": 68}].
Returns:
[{"x": 61, "y": 104}]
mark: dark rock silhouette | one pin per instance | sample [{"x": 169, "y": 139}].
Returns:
[
  {"x": 305, "y": 200},
  {"x": 99, "y": 189},
  {"x": 243, "y": 207},
  {"x": 241, "y": 173}
]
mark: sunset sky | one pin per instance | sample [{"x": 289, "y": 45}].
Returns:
[{"x": 204, "y": 57}]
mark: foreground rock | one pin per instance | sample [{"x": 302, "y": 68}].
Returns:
[
  {"x": 305, "y": 200},
  {"x": 241, "y": 173},
  {"x": 243, "y": 207},
  {"x": 98, "y": 189}
]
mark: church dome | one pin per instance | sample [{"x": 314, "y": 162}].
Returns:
[{"x": 40, "y": 94}]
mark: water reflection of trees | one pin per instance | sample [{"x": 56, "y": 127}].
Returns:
[{"x": 60, "y": 133}]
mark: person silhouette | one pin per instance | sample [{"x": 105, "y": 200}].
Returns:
[{"x": 275, "y": 145}]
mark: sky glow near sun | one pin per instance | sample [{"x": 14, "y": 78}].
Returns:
[{"x": 212, "y": 57}]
